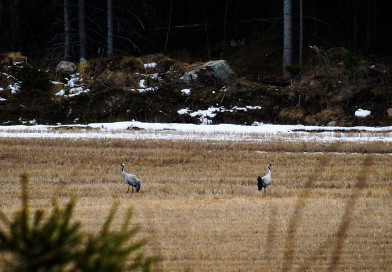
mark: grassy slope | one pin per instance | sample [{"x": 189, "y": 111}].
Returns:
[{"x": 200, "y": 207}]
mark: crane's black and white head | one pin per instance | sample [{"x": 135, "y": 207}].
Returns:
[
  {"x": 269, "y": 166},
  {"x": 122, "y": 166}
]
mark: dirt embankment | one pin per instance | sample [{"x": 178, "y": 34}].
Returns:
[{"x": 329, "y": 90}]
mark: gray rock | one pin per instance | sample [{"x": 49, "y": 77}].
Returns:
[
  {"x": 390, "y": 112},
  {"x": 332, "y": 124},
  {"x": 66, "y": 67},
  {"x": 216, "y": 69}
]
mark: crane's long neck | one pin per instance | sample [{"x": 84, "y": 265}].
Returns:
[
  {"x": 269, "y": 171},
  {"x": 123, "y": 174}
]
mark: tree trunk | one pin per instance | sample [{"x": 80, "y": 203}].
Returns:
[
  {"x": 301, "y": 31},
  {"x": 15, "y": 26},
  {"x": 355, "y": 32},
  {"x": 369, "y": 23},
  {"x": 169, "y": 25},
  {"x": 67, "y": 32},
  {"x": 110, "y": 28},
  {"x": 287, "y": 36},
  {"x": 82, "y": 30}
]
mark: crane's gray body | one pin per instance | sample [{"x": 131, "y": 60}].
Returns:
[
  {"x": 263, "y": 182},
  {"x": 131, "y": 179}
]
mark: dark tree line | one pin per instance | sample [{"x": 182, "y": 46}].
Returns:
[{"x": 74, "y": 29}]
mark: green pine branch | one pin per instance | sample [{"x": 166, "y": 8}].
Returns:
[{"x": 56, "y": 242}]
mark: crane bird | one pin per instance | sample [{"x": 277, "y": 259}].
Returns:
[
  {"x": 263, "y": 182},
  {"x": 131, "y": 179}
]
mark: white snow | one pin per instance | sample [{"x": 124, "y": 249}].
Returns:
[
  {"x": 362, "y": 113},
  {"x": 191, "y": 132},
  {"x": 205, "y": 116},
  {"x": 73, "y": 87},
  {"x": 183, "y": 111},
  {"x": 148, "y": 89},
  {"x": 14, "y": 87},
  {"x": 210, "y": 112},
  {"x": 186, "y": 91},
  {"x": 142, "y": 83},
  {"x": 150, "y": 65},
  {"x": 61, "y": 93},
  {"x": 154, "y": 76}
]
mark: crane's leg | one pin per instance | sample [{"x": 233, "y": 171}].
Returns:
[
  {"x": 128, "y": 189},
  {"x": 132, "y": 189}
]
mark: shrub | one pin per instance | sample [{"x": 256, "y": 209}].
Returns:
[
  {"x": 56, "y": 243},
  {"x": 33, "y": 78},
  {"x": 350, "y": 61},
  {"x": 293, "y": 69}
]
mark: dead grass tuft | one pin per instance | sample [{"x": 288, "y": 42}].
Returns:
[
  {"x": 84, "y": 69},
  {"x": 11, "y": 57}
]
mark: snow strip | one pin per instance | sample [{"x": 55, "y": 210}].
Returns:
[{"x": 222, "y": 132}]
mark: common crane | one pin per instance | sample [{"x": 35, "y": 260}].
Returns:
[
  {"x": 263, "y": 182},
  {"x": 130, "y": 179}
]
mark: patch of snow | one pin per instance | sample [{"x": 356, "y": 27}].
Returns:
[
  {"x": 186, "y": 91},
  {"x": 60, "y": 93},
  {"x": 235, "y": 108},
  {"x": 362, "y": 113},
  {"x": 15, "y": 88},
  {"x": 253, "y": 107},
  {"x": 149, "y": 89},
  {"x": 150, "y": 65},
  {"x": 2, "y": 99},
  {"x": 73, "y": 87},
  {"x": 1, "y": 89},
  {"x": 77, "y": 91},
  {"x": 142, "y": 83},
  {"x": 212, "y": 111},
  {"x": 8, "y": 76},
  {"x": 154, "y": 76},
  {"x": 183, "y": 111}
]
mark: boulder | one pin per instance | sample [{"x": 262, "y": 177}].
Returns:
[
  {"x": 66, "y": 67},
  {"x": 332, "y": 124},
  {"x": 210, "y": 72}
]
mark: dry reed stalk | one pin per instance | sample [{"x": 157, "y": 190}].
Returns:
[
  {"x": 341, "y": 234},
  {"x": 271, "y": 233},
  {"x": 296, "y": 217}
]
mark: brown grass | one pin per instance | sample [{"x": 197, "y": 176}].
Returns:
[{"x": 199, "y": 203}]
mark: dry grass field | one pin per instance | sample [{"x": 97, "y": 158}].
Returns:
[{"x": 329, "y": 207}]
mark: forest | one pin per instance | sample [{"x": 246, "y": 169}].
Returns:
[{"x": 38, "y": 28}]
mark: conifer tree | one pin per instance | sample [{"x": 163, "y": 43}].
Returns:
[{"x": 57, "y": 243}]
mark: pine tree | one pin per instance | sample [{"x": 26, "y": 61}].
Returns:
[{"x": 57, "y": 243}]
